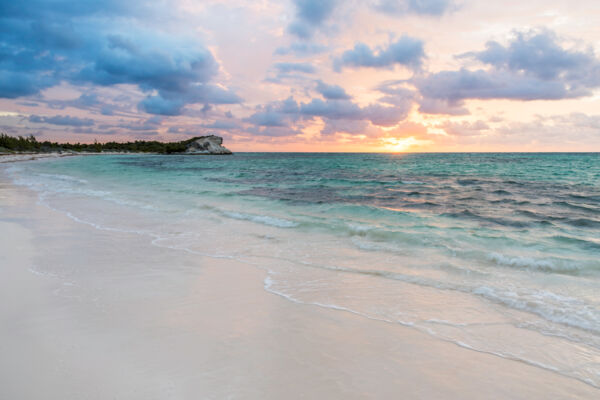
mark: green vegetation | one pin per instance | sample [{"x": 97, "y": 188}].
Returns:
[{"x": 10, "y": 144}]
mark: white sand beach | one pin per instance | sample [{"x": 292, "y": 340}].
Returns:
[
  {"x": 10, "y": 158},
  {"x": 92, "y": 314},
  {"x": 6, "y": 158}
]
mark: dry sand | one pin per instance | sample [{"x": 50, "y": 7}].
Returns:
[{"x": 90, "y": 314}]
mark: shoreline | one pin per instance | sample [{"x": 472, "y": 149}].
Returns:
[
  {"x": 97, "y": 314},
  {"x": 19, "y": 157}
]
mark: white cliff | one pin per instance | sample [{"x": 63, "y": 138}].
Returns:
[{"x": 207, "y": 145}]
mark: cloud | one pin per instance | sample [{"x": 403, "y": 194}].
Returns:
[
  {"x": 310, "y": 16},
  {"x": 44, "y": 43},
  {"x": 574, "y": 126},
  {"x": 332, "y": 92},
  {"x": 150, "y": 124},
  {"x": 167, "y": 102},
  {"x": 385, "y": 116},
  {"x": 533, "y": 66},
  {"x": 332, "y": 109},
  {"x": 286, "y": 114},
  {"x": 15, "y": 84},
  {"x": 333, "y": 126},
  {"x": 483, "y": 84},
  {"x": 161, "y": 106},
  {"x": 405, "y": 51},
  {"x": 465, "y": 128},
  {"x": 429, "y": 105},
  {"x": 150, "y": 66},
  {"x": 276, "y": 114},
  {"x": 288, "y": 67},
  {"x": 222, "y": 125},
  {"x": 539, "y": 54},
  {"x": 420, "y": 7},
  {"x": 273, "y": 131},
  {"x": 301, "y": 49},
  {"x": 395, "y": 93},
  {"x": 88, "y": 100},
  {"x": 283, "y": 72},
  {"x": 62, "y": 120}
]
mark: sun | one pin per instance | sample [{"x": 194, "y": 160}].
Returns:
[{"x": 399, "y": 145}]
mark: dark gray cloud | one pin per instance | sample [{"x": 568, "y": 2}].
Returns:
[
  {"x": 421, "y": 7},
  {"x": 405, "y": 51},
  {"x": 46, "y": 42},
  {"x": 310, "y": 16},
  {"x": 62, "y": 120},
  {"x": 533, "y": 66},
  {"x": 332, "y": 92}
]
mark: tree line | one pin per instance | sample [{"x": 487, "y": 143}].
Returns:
[{"x": 10, "y": 144}]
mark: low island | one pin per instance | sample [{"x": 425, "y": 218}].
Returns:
[{"x": 200, "y": 145}]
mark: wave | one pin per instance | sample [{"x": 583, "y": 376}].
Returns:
[
  {"x": 262, "y": 219},
  {"x": 586, "y": 244},
  {"x": 511, "y": 201},
  {"x": 466, "y": 214},
  {"x": 546, "y": 219},
  {"x": 583, "y": 223},
  {"x": 424, "y": 204},
  {"x": 552, "y": 307},
  {"x": 60, "y": 184},
  {"x": 535, "y": 264},
  {"x": 579, "y": 207},
  {"x": 591, "y": 198},
  {"x": 468, "y": 182},
  {"x": 66, "y": 178},
  {"x": 582, "y": 372}
]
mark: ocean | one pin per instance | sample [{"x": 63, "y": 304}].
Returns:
[{"x": 497, "y": 253}]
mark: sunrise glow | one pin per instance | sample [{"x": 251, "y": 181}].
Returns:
[{"x": 304, "y": 75}]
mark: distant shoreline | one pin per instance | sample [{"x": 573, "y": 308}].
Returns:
[{"x": 210, "y": 144}]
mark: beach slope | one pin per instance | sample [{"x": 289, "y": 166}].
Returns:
[{"x": 87, "y": 313}]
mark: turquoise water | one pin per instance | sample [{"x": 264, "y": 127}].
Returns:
[{"x": 498, "y": 253}]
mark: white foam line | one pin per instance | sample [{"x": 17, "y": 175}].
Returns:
[{"x": 268, "y": 282}]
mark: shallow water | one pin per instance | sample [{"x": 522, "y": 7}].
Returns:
[{"x": 498, "y": 253}]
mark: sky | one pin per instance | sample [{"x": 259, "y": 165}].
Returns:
[{"x": 305, "y": 75}]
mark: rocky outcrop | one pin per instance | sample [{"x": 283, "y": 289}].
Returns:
[{"x": 207, "y": 145}]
